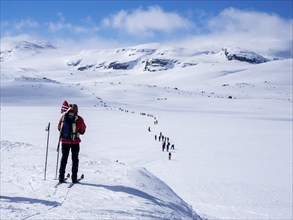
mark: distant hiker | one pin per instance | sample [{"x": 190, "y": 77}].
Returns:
[
  {"x": 163, "y": 146},
  {"x": 160, "y": 138},
  {"x": 149, "y": 129},
  {"x": 70, "y": 125},
  {"x": 168, "y": 145},
  {"x": 170, "y": 155},
  {"x": 155, "y": 137},
  {"x": 172, "y": 147}
]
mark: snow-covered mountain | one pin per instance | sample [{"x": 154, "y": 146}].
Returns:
[
  {"x": 9, "y": 49},
  {"x": 228, "y": 113},
  {"x": 147, "y": 57},
  {"x": 154, "y": 57}
]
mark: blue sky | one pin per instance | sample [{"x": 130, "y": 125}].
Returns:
[{"x": 115, "y": 23}]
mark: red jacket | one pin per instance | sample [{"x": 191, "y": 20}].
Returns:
[{"x": 80, "y": 128}]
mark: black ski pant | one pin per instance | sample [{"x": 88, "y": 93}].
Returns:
[{"x": 74, "y": 155}]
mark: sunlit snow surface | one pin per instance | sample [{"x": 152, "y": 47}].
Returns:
[{"x": 230, "y": 122}]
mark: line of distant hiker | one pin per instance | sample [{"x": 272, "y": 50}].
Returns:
[{"x": 165, "y": 142}]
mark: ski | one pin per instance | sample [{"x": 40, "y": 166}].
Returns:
[
  {"x": 59, "y": 183},
  {"x": 77, "y": 181}
]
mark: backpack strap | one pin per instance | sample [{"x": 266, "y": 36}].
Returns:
[{"x": 74, "y": 133}]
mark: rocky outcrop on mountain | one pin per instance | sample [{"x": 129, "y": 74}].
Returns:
[
  {"x": 156, "y": 64},
  {"x": 74, "y": 63},
  {"x": 137, "y": 51},
  {"x": 86, "y": 67},
  {"x": 244, "y": 55},
  {"x": 4, "y": 55},
  {"x": 122, "y": 66},
  {"x": 187, "y": 64}
]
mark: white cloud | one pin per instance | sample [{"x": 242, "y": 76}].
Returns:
[
  {"x": 19, "y": 25},
  {"x": 63, "y": 25},
  {"x": 253, "y": 23},
  {"x": 145, "y": 22},
  {"x": 27, "y": 23},
  {"x": 262, "y": 32},
  {"x": 26, "y": 26},
  {"x": 88, "y": 43}
]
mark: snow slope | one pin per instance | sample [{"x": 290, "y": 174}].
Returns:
[
  {"x": 230, "y": 122},
  {"x": 110, "y": 190}
]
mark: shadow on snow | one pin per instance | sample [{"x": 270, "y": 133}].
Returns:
[
  {"x": 29, "y": 200},
  {"x": 185, "y": 210}
]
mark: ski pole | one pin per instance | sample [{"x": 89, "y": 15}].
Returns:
[
  {"x": 47, "y": 129},
  {"x": 58, "y": 150}
]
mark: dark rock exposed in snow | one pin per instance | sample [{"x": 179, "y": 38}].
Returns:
[
  {"x": 36, "y": 79},
  {"x": 82, "y": 68},
  {"x": 188, "y": 64},
  {"x": 122, "y": 66},
  {"x": 118, "y": 66},
  {"x": 159, "y": 64},
  {"x": 74, "y": 63},
  {"x": 244, "y": 56},
  {"x": 5, "y": 55}
]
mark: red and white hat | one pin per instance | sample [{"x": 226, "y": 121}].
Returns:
[{"x": 64, "y": 107}]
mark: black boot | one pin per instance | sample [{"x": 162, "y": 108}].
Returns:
[
  {"x": 61, "y": 178},
  {"x": 74, "y": 180}
]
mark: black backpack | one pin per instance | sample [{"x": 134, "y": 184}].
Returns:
[{"x": 68, "y": 130}]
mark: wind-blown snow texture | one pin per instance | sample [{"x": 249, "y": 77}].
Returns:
[{"x": 228, "y": 114}]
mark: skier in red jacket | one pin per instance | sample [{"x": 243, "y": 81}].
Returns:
[{"x": 75, "y": 129}]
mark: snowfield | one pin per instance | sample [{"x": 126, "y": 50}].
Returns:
[{"x": 229, "y": 120}]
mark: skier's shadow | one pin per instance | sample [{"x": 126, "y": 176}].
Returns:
[
  {"x": 126, "y": 189},
  {"x": 139, "y": 193},
  {"x": 29, "y": 200}
]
